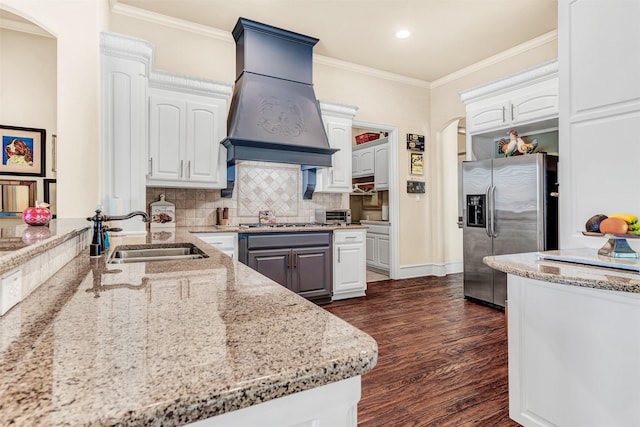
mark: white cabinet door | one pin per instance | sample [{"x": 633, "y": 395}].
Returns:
[
  {"x": 491, "y": 115},
  {"x": 381, "y": 159},
  {"x": 535, "y": 103},
  {"x": 205, "y": 156},
  {"x": 184, "y": 140},
  {"x": 382, "y": 250},
  {"x": 338, "y": 120},
  {"x": 364, "y": 162},
  {"x": 123, "y": 157},
  {"x": 167, "y": 133},
  {"x": 349, "y": 265},
  {"x": 371, "y": 249}
]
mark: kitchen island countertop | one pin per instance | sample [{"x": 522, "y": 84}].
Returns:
[
  {"x": 166, "y": 343},
  {"x": 530, "y": 266}
]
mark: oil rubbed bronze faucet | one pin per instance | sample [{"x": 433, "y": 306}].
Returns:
[{"x": 97, "y": 246}]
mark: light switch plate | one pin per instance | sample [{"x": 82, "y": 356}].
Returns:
[{"x": 10, "y": 290}]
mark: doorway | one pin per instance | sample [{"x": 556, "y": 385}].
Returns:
[{"x": 374, "y": 201}]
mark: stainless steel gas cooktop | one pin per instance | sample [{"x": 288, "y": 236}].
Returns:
[{"x": 279, "y": 225}]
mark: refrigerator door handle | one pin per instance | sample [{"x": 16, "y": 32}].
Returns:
[
  {"x": 488, "y": 215},
  {"x": 492, "y": 209}
]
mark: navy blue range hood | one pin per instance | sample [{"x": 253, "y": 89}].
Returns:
[{"x": 274, "y": 115}]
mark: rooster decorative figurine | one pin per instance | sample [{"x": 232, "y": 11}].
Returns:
[
  {"x": 508, "y": 147},
  {"x": 524, "y": 147}
]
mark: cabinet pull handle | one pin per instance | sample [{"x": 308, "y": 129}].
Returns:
[
  {"x": 295, "y": 261},
  {"x": 513, "y": 112},
  {"x": 351, "y": 237},
  {"x": 503, "y": 114},
  {"x": 150, "y": 166},
  {"x": 339, "y": 250},
  {"x": 188, "y": 169},
  {"x": 181, "y": 168},
  {"x": 289, "y": 261}
]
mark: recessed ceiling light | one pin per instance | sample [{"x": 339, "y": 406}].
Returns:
[{"x": 403, "y": 34}]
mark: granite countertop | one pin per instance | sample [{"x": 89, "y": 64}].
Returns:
[
  {"x": 165, "y": 343},
  {"x": 529, "y": 265},
  {"x": 21, "y": 242}
]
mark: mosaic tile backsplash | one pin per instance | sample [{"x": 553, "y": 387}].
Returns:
[{"x": 259, "y": 186}]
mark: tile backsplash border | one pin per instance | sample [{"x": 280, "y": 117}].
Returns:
[{"x": 197, "y": 207}]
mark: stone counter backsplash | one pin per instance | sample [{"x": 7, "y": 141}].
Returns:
[{"x": 259, "y": 186}]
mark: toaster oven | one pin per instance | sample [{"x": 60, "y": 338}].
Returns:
[{"x": 333, "y": 216}]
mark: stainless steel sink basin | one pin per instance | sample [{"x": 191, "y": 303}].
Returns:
[{"x": 159, "y": 252}]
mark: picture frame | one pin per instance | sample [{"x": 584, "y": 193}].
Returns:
[
  {"x": 417, "y": 163},
  {"x": 50, "y": 195},
  {"x": 23, "y": 151},
  {"x": 415, "y": 187},
  {"x": 415, "y": 142}
]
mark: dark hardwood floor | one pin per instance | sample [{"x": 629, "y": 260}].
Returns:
[{"x": 442, "y": 360}]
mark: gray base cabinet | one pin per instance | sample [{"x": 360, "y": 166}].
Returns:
[{"x": 299, "y": 261}]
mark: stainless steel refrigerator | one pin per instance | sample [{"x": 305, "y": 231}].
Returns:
[{"x": 510, "y": 205}]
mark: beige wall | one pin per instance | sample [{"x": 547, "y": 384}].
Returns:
[
  {"x": 28, "y": 93},
  {"x": 76, "y": 25}
]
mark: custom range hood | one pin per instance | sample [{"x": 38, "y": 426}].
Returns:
[{"x": 274, "y": 115}]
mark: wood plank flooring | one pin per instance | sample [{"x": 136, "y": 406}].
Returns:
[{"x": 442, "y": 360}]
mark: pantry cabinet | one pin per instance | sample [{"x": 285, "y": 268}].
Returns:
[
  {"x": 378, "y": 246},
  {"x": 338, "y": 120},
  {"x": 187, "y": 121},
  {"x": 125, "y": 63},
  {"x": 349, "y": 265},
  {"x": 372, "y": 159}
]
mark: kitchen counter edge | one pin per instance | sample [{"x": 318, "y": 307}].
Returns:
[{"x": 529, "y": 265}]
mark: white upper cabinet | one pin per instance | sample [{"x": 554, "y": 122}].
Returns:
[
  {"x": 372, "y": 159},
  {"x": 381, "y": 175},
  {"x": 338, "y": 120},
  {"x": 518, "y": 99},
  {"x": 125, "y": 63},
  {"x": 185, "y": 130}
]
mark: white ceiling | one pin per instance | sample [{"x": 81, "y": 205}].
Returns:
[{"x": 446, "y": 35}]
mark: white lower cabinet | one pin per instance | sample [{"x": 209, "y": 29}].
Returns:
[
  {"x": 574, "y": 354},
  {"x": 349, "y": 268},
  {"x": 224, "y": 242},
  {"x": 378, "y": 253}
]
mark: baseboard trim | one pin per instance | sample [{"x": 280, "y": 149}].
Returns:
[{"x": 418, "y": 270}]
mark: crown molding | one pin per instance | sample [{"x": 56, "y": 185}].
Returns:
[
  {"x": 168, "y": 21},
  {"x": 340, "y": 110},
  {"x": 24, "y": 27},
  {"x": 127, "y": 47},
  {"x": 549, "y": 37},
  {"x": 167, "y": 80},
  {"x": 546, "y": 70},
  {"x": 374, "y": 72}
]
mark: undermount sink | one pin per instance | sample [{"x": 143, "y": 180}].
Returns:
[{"x": 159, "y": 252}]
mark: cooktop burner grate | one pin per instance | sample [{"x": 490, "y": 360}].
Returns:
[{"x": 278, "y": 225}]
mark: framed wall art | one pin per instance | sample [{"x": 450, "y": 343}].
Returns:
[
  {"x": 417, "y": 163},
  {"x": 415, "y": 187},
  {"x": 23, "y": 151},
  {"x": 50, "y": 195}
]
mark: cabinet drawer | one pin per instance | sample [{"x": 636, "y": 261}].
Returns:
[
  {"x": 348, "y": 236},
  {"x": 219, "y": 240}
]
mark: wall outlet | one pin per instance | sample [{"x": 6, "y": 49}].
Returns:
[{"x": 10, "y": 290}]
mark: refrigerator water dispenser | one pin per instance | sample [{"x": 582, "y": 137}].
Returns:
[{"x": 475, "y": 210}]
